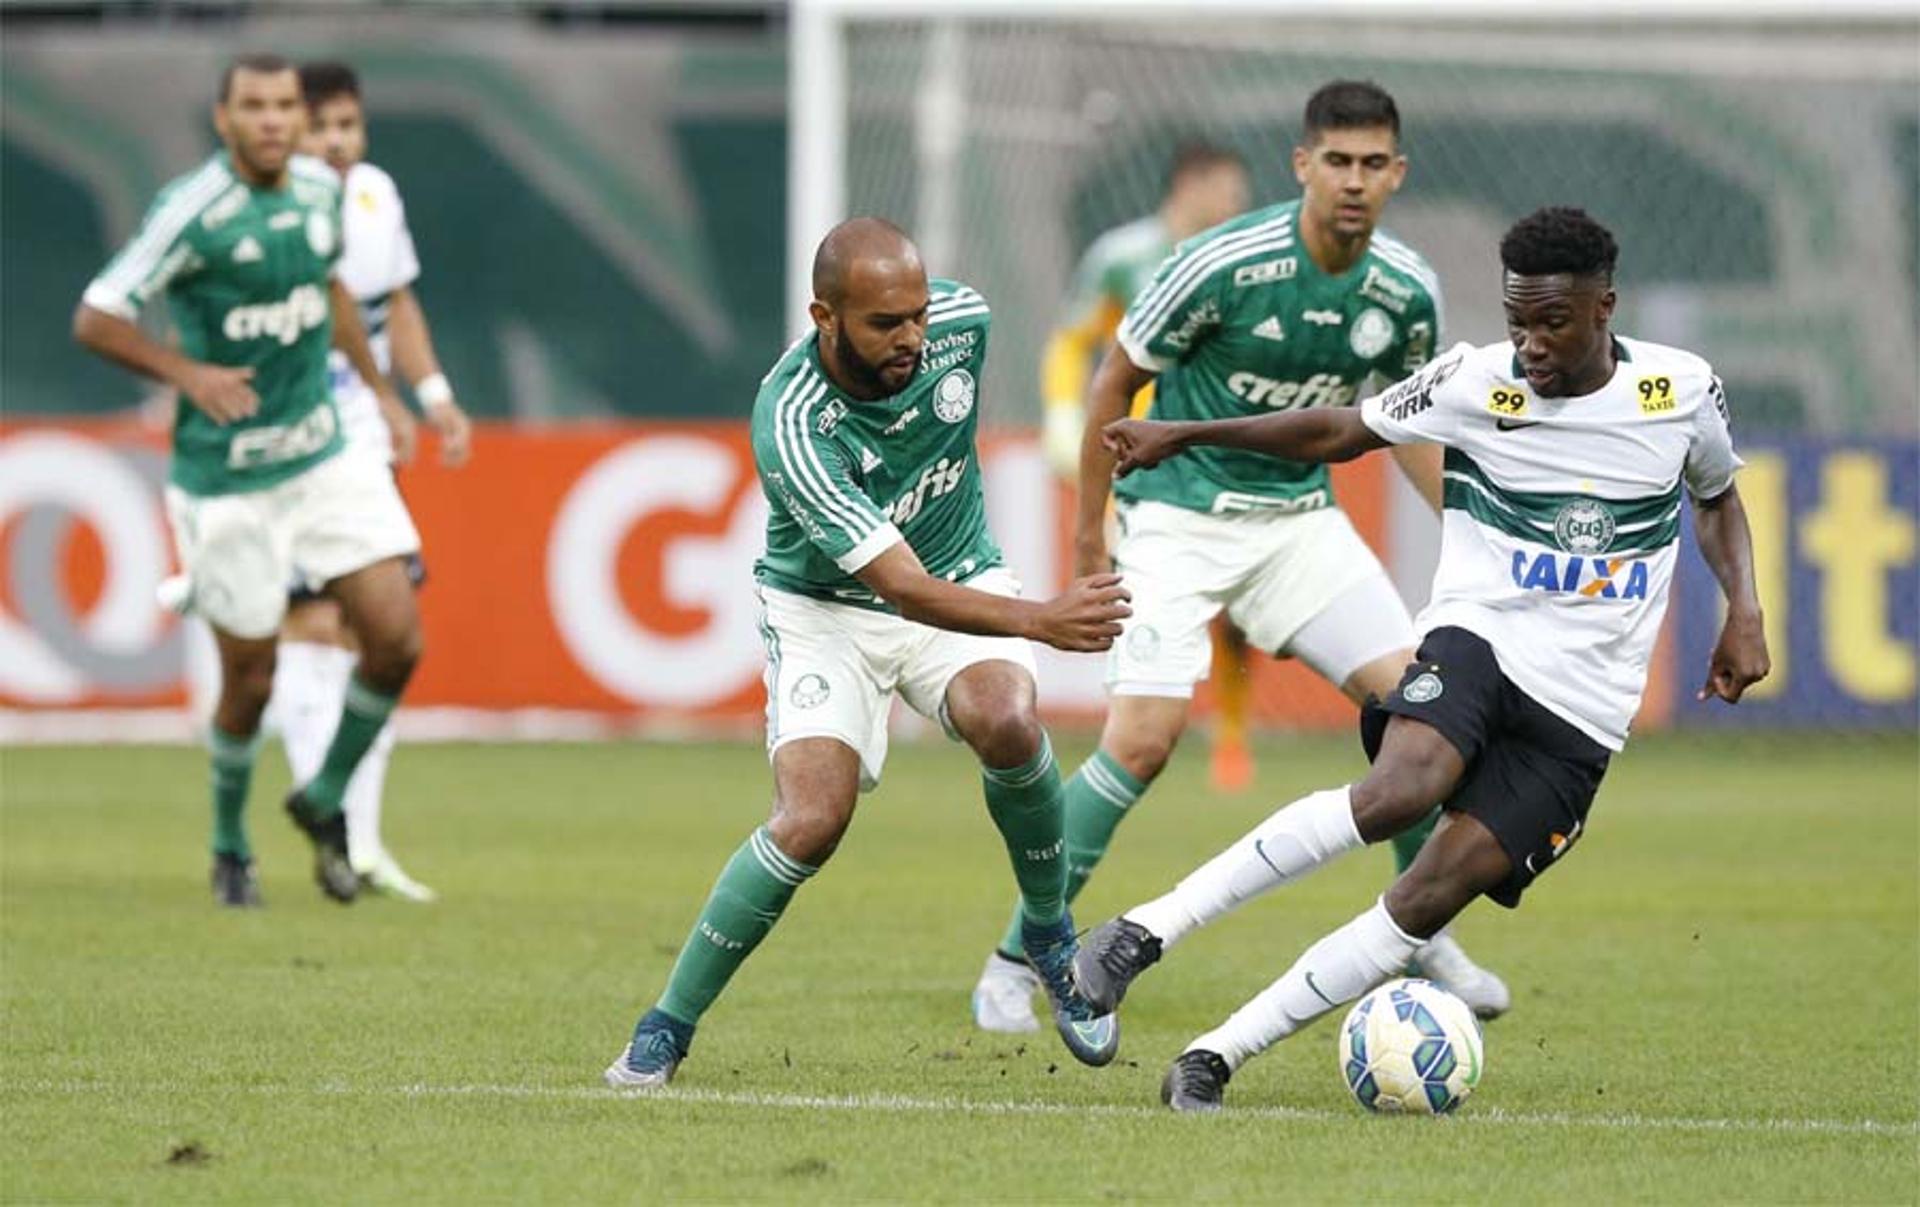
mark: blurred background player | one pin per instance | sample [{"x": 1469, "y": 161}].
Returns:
[
  {"x": 378, "y": 267},
  {"x": 1206, "y": 185},
  {"x": 1293, "y": 306},
  {"x": 1567, "y": 448},
  {"x": 880, "y": 577},
  {"x": 244, "y": 248}
]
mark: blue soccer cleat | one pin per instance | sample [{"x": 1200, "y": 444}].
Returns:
[
  {"x": 1091, "y": 1036},
  {"x": 660, "y": 1042}
]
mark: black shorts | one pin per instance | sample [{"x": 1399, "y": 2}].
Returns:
[{"x": 1530, "y": 776}]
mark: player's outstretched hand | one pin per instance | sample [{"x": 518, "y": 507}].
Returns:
[
  {"x": 1739, "y": 659},
  {"x": 455, "y": 430},
  {"x": 221, "y": 392},
  {"x": 1138, "y": 444},
  {"x": 1085, "y": 618}
]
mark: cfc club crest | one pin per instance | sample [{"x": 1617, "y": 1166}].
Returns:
[
  {"x": 810, "y": 692},
  {"x": 1584, "y": 526},
  {"x": 953, "y": 396},
  {"x": 1425, "y": 686},
  {"x": 1372, "y": 333}
]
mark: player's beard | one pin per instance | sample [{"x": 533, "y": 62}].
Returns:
[{"x": 868, "y": 377}]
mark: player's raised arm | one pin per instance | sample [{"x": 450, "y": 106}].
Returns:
[
  {"x": 1084, "y": 618},
  {"x": 1115, "y": 383},
  {"x": 1316, "y": 436}
]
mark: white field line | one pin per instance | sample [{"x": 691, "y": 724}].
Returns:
[{"x": 1471, "y": 1116}]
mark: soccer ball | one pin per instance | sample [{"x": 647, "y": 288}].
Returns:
[{"x": 1410, "y": 1046}]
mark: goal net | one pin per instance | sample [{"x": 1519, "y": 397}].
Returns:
[{"x": 1761, "y": 177}]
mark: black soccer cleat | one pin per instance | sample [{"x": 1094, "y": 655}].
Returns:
[
  {"x": 1196, "y": 1082},
  {"x": 1113, "y": 954},
  {"x": 233, "y": 882},
  {"x": 328, "y": 832}
]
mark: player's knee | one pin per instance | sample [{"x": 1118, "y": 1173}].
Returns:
[
  {"x": 808, "y": 831},
  {"x": 1143, "y": 749},
  {"x": 1424, "y": 900},
  {"x": 387, "y": 660},
  {"x": 1394, "y": 796},
  {"x": 1010, "y": 739}
]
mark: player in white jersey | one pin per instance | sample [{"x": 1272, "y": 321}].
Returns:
[
  {"x": 378, "y": 267},
  {"x": 1567, "y": 452}
]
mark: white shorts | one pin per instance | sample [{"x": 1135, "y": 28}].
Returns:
[
  {"x": 239, "y": 551},
  {"x": 833, "y": 669},
  {"x": 1301, "y": 584}
]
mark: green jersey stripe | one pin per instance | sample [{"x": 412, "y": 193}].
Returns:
[
  {"x": 856, "y": 513},
  {"x": 1202, "y": 260},
  {"x": 1406, "y": 260},
  {"x": 1146, "y": 330},
  {"x": 809, "y": 475},
  {"x": 1464, "y": 494},
  {"x": 189, "y": 198},
  {"x": 135, "y": 268},
  {"x": 1162, "y": 298},
  {"x": 1543, "y": 508}
]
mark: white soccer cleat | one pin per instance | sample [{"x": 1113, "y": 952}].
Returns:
[
  {"x": 1444, "y": 962},
  {"x": 1003, "y": 1000},
  {"x": 386, "y": 877}
]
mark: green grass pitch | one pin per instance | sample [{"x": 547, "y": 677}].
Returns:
[{"x": 1717, "y": 995}]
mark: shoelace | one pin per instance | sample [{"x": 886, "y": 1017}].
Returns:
[
  {"x": 655, "y": 1052},
  {"x": 1201, "y": 1076},
  {"x": 1124, "y": 955},
  {"x": 1054, "y": 963}
]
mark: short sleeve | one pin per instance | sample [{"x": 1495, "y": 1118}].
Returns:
[
  {"x": 1177, "y": 312},
  {"x": 1424, "y": 408},
  {"x": 1711, "y": 461},
  {"x": 806, "y": 474},
  {"x": 158, "y": 254},
  {"x": 406, "y": 261}
]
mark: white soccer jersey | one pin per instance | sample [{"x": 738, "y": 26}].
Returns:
[
  {"x": 1562, "y": 516},
  {"x": 378, "y": 259}
]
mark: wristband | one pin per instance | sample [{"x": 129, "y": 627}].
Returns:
[{"x": 434, "y": 391}]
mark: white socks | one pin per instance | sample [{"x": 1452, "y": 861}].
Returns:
[
  {"x": 1365, "y": 952},
  {"x": 1296, "y": 839},
  {"x": 309, "y": 690},
  {"x": 362, "y": 803}
]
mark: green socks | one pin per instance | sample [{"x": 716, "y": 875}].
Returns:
[
  {"x": 1097, "y": 798},
  {"x": 232, "y": 760},
  {"x": 366, "y": 710},
  {"x": 1407, "y": 843},
  {"x": 746, "y": 901},
  {"x": 1025, "y": 803}
]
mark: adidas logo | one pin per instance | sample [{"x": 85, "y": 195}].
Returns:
[
  {"x": 247, "y": 251},
  {"x": 869, "y": 460},
  {"x": 1269, "y": 328}
]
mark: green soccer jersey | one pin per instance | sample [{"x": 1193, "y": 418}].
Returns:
[
  {"x": 1116, "y": 267},
  {"x": 846, "y": 479},
  {"x": 245, "y": 271},
  {"x": 1240, "y": 320}
]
